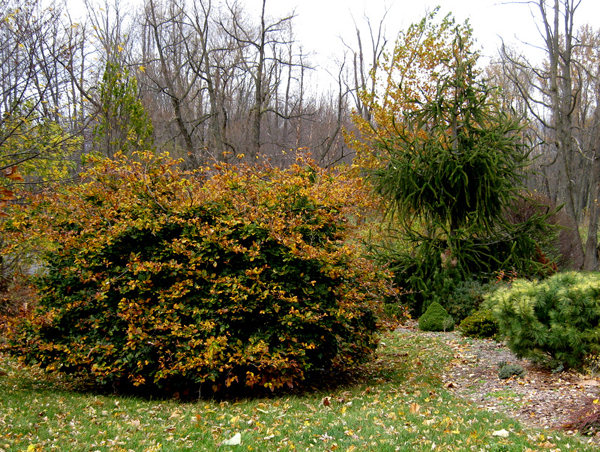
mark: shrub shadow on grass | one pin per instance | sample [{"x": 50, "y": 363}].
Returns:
[{"x": 387, "y": 365}]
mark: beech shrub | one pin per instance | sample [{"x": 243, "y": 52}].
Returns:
[
  {"x": 555, "y": 322},
  {"x": 161, "y": 278}
]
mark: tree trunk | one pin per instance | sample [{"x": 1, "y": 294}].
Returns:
[
  {"x": 562, "y": 97},
  {"x": 591, "y": 248},
  {"x": 259, "y": 94},
  {"x": 170, "y": 89}
]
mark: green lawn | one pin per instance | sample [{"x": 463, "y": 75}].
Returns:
[{"x": 399, "y": 405}]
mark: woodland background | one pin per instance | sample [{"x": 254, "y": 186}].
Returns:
[{"x": 209, "y": 80}]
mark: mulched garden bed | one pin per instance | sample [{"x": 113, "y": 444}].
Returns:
[{"x": 539, "y": 399}]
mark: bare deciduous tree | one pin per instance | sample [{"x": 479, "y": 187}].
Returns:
[
  {"x": 35, "y": 48},
  {"x": 559, "y": 100}
]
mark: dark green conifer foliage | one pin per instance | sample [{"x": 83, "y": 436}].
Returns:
[{"x": 447, "y": 179}]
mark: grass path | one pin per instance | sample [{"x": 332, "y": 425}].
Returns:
[{"x": 400, "y": 405}]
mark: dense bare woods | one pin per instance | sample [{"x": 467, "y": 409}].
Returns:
[{"x": 560, "y": 97}]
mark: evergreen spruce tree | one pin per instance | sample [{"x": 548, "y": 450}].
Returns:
[{"x": 447, "y": 176}]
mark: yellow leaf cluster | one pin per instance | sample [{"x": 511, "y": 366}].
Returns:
[{"x": 406, "y": 77}]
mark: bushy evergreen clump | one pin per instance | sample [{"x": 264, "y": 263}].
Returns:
[
  {"x": 481, "y": 324},
  {"x": 228, "y": 276},
  {"x": 554, "y": 322},
  {"x": 506, "y": 370},
  {"x": 431, "y": 272},
  {"x": 426, "y": 278},
  {"x": 436, "y": 318}
]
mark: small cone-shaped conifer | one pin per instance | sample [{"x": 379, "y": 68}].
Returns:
[{"x": 436, "y": 318}]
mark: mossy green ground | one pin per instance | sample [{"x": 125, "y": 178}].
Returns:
[{"x": 397, "y": 404}]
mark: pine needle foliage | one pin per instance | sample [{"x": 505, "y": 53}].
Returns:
[{"x": 555, "y": 322}]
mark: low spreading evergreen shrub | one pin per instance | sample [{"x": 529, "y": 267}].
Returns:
[
  {"x": 420, "y": 273},
  {"x": 238, "y": 276},
  {"x": 481, "y": 324},
  {"x": 555, "y": 321},
  {"x": 506, "y": 370},
  {"x": 436, "y": 318},
  {"x": 429, "y": 271}
]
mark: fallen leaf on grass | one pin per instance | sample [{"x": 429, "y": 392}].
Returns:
[
  {"x": 501, "y": 433},
  {"x": 310, "y": 407},
  {"x": 236, "y": 440},
  {"x": 414, "y": 408}
]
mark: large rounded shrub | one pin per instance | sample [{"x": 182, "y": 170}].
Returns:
[
  {"x": 228, "y": 275},
  {"x": 555, "y": 321}
]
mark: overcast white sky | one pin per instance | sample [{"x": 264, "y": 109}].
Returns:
[{"x": 320, "y": 24}]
